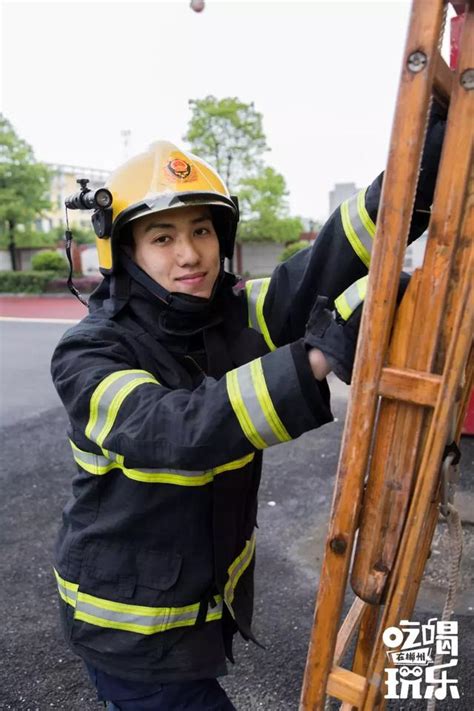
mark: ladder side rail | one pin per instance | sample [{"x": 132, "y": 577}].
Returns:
[
  {"x": 461, "y": 404},
  {"x": 429, "y": 518},
  {"x": 388, "y": 489},
  {"x": 418, "y": 518},
  {"x": 390, "y": 239},
  {"x": 392, "y": 470},
  {"x": 442, "y": 82},
  {"x": 464, "y": 242}
]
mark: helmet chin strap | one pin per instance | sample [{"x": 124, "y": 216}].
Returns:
[{"x": 174, "y": 300}]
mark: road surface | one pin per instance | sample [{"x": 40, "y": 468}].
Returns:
[{"x": 37, "y": 671}]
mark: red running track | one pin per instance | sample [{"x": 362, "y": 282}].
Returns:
[{"x": 52, "y": 307}]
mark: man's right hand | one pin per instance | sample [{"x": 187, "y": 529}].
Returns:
[{"x": 319, "y": 363}]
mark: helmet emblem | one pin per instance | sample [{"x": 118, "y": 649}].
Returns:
[{"x": 179, "y": 168}]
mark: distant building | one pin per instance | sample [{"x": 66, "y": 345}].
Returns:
[
  {"x": 64, "y": 183},
  {"x": 415, "y": 253},
  {"x": 341, "y": 192}
]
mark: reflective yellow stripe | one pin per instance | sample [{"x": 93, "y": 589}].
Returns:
[
  {"x": 258, "y": 379},
  {"x": 68, "y": 591},
  {"x": 366, "y": 219},
  {"x": 352, "y": 297},
  {"x": 260, "y": 317},
  {"x": 165, "y": 478},
  {"x": 342, "y": 306},
  {"x": 361, "y": 286},
  {"x": 351, "y": 235},
  {"x": 141, "y": 629},
  {"x": 126, "y": 608},
  {"x": 101, "y": 391},
  {"x": 116, "y": 404},
  {"x": 99, "y": 465},
  {"x": 241, "y": 412},
  {"x": 255, "y": 306},
  {"x": 248, "y": 291},
  {"x": 237, "y": 464},
  {"x": 237, "y": 568},
  {"x": 90, "y": 462},
  {"x": 97, "y": 394},
  {"x": 140, "y": 619}
]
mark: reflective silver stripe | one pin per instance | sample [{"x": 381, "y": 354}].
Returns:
[
  {"x": 256, "y": 290},
  {"x": 98, "y": 465},
  {"x": 140, "y": 619},
  {"x": 359, "y": 227},
  {"x": 253, "y": 406},
  {"x": 92, "y": 463},
  {"x": 252, "y": 289},
  {"x": 236, "y": 570},
  {"x": 68, "y": 591},
  {"x": 352, "y": 297},
  {"x": 107, "y": 399}
]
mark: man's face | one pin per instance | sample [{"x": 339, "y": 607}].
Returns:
[{"x": 179, "y": 249}]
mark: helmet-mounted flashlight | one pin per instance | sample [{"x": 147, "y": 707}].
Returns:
[{"x": 86, "y": 199}]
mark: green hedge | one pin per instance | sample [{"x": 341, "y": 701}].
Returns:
[
  {"x": 25, "y": 282},
  {"x": 50, "y": 262},
  {"x": 292, "y": 249}
]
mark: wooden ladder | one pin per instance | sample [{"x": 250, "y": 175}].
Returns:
[{"x": 412, "y": 378}]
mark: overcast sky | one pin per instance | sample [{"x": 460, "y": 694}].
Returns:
[{"x": 324, "y": 75}]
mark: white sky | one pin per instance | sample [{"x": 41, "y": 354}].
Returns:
[{"x": 323, "y": 74}]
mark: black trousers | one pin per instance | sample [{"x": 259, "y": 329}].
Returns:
[
  {"x": 202, "y": 695},
  {"x": 121, "y": 695}
]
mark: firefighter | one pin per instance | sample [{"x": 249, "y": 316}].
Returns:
[{"x": 174, "y": 384}]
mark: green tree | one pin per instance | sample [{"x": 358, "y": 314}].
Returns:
[
  {"x": 24, "y": 185},
  {"x": 81, "y": 235},
  {"x": 228, "y": 134},
  {"x": 264, "y": 207}
]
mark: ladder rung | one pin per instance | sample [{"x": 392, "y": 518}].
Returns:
[
  {"x": 346, "y": 686},
  {"x": 442, "y": 80},
  {"x": 409, "y": 386},
  {"x": 348, "y": 628}
]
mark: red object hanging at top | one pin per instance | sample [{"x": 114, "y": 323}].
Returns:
[
  {"x": 456, "y": 29},
  {"x": 197, "y": 5}
]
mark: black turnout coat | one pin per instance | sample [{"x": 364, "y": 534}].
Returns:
[{"x": 169, "y": 417}]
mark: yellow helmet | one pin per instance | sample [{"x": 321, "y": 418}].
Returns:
[{"x": 162, "y": 178}]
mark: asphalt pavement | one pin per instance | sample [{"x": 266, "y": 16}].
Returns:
[{"x": 37, "y": 671}]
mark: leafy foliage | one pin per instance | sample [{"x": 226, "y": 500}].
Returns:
[
  {"x": 80, "y": 235},
  {"x": 24, "y": 282},
  {"x": 265, "y": 209},
  {"x": 29, "y": 238},
  {"x": 227, "y": 133},
  {"x": 292, "y": 249},
  {"x": 50, "y": 262},
  {"x": 32, "y": 238},
  {"x": 24, "y": 183}
]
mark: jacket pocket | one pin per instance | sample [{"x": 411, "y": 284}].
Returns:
[
  {"x": 124, "y": 573},
  {"x": 111, "y": 622}
]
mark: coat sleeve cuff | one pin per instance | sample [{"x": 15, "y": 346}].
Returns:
[{"x": 315, "y": 392}]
